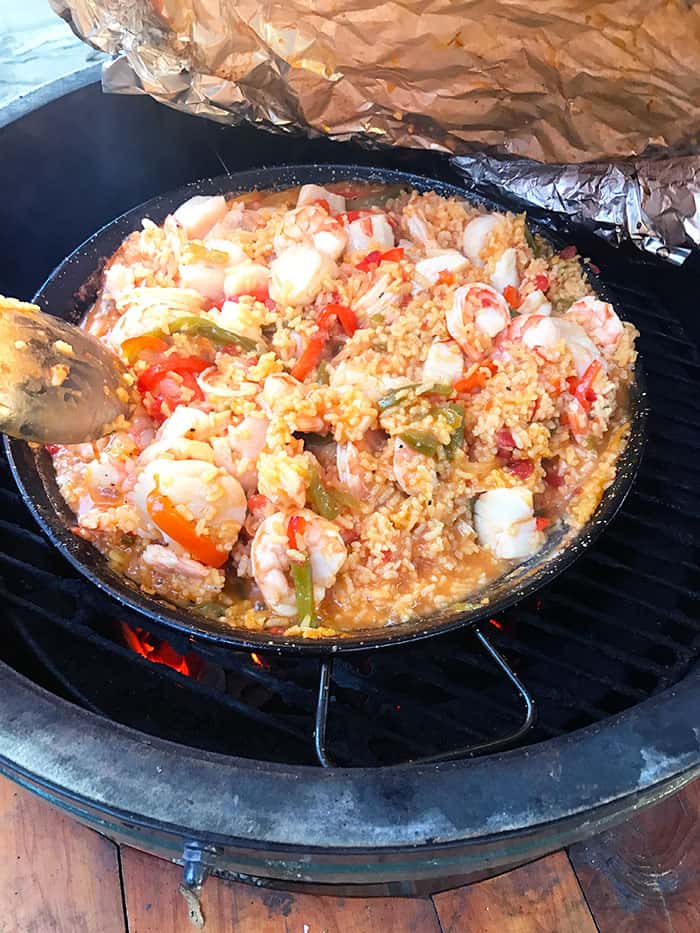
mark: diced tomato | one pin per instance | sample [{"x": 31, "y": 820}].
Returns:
[
  {"x": 258, "y": 502},
  {"x": 52, "y": 448},
  {"x": 521, "y": 468},
  {"x": 542, "y": 281},
  {"x": 476, "y": 379},
  {"x": 162, "y": 393},
  {"x": 168, "y": 519},
  {"x": 541, "y": 522},
  {"x": 308, "y": 361},
  {"x": 446, "y": 277},
  {"x": 295, "y": 526},
  {"x": 505, "y": 443},
  {"x": 370, "y": 261},
  {"x": 553, "y": 477},
  {"x": 512, "y": 296},
  {"x": 324, "y": 204},
  {"x": 277, "y": 630},
  {"x": 594, "y": 268},
  {"x": 568, "y": 252}
]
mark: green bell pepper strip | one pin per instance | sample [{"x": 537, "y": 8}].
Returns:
[
  {"x": 455, "y": 417},
  {"x": 200, "y": 327},
  {"x": 403, "y": 393},
  {"x": 422, "y": 441},
  {"x": 328, "y": 502},
  {"x": 304, "y": 592}
]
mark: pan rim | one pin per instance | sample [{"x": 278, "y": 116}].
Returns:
[{"x": 98, "y": 572}]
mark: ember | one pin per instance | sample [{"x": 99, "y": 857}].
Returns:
[{"x": 159, "y": 651}]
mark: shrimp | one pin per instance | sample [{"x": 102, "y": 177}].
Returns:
[
  {"x": 238, "y": 451},
  {"x": 535, "y": 303},
  {"x": 151, "y": 309},
  {"x": 478, "y": 314},
  {"x": 413, "y": 471},
  {"x": 377, "y": 300},
  {"x": 373, "y": 231},
  {"x": 284, "y": 395},
  {"x": 105, "y": 480},
  {"x": 505, "y": 523},
  {"x": 199, "y": 214},
  {"x": 246, "y": 278},
  {"x": 201, "y": 494},
  {"x": 476, "y": 235},
  {"x": 444, "y": 362},
  {"x": 271, "y": 558},
  {"x": 310, "y": 194},
  {"x": 165, "y": 560},
  {"x": 347, "y": 461},
  {"x": 298, "y": 274},
  {"x": 599, "y": 321},
  {"x": 241, "y": 317},
  {"x": 314, "y": 226},
  {"x": 448, "y": 260},
  {"x": 542, "y": 333},
  {"x": 505, "y": 271}
]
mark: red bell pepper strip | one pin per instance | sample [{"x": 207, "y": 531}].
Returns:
[{"x": 169, "y": 520}]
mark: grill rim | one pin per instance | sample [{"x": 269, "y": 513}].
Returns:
[
  {"x": 358, "y": 810},
  {"x": 34, "y": 476}
]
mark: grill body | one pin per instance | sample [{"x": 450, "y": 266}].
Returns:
[{"x": 609, "y": 650}]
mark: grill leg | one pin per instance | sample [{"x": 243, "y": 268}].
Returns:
[{"x": 529, "y": 710}]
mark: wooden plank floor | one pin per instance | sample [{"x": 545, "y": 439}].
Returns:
[{"x": 58, "y": 877}]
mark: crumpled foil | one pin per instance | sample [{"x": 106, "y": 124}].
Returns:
[{"x": 579, "y": 85}]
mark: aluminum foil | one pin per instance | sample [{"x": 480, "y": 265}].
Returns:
[{"x": 562, "y": 82}]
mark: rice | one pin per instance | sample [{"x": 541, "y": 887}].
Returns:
[{"x": 315, "y": 414}]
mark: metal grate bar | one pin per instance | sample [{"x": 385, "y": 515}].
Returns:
[{"x": 598, "y": 556}]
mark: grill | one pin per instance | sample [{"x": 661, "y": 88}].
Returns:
[{"x": 618, "y": 628}]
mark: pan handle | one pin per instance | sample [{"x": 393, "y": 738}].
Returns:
[{"x": 529, "y": 717}]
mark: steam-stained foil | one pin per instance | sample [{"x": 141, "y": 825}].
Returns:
[{"x": 556, "y": 81}]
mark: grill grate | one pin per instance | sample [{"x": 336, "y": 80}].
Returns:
[{"x": 619, "y": 626}]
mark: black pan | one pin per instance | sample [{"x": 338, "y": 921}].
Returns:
[{"x": 33, "y": 470}]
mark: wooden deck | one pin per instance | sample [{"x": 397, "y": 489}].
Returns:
[{"x": 58, "y": 877}]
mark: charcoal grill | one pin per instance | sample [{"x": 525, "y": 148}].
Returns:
[{"x": 207, "y": 756}]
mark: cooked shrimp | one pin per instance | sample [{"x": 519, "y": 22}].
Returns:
[
  {"x": 599, "y": 320},
  {"x": 241, "y": 317},
  {"x": 444, "y": 362},
  {"x": 199, "y": 214},
  {"x": 312, "y": 225},
  {"x": 347, "y": 460},
  {"x": 505, "y": 523},
  {"x": 418, "y": 229},
  {"x": 237, "y": 452},
  {"x": 310, "y": 194},
  {"x": 373, "y": 231},
  {"x": 478, "y": 314},
  {"x": 376, "y": 300},
  {"x": 190, "y": 423},
  {"x": 165, "y": 560},
  {"x": 413, "y": 471},
  {"x": 505, "y": 271},
  {"x": 106, "y": 479},
  {"x": 151, "y": 309},
  {"x": 448, "y": 260},
  {"x": 201, "y": 494},
  {"x": 284, "y": 395},
  {"x": 246, "y": 278},
  {"x": 271, "y": 558},
  {"x": 477, "y": 234},
  {"x": 543, "y": 333},
  {"x": 535, "y": 303},
  {"x": 297, "y": 275},
  {"x": 284, "y": 477}
]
